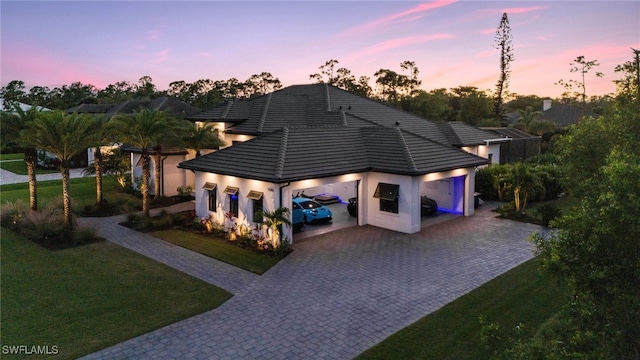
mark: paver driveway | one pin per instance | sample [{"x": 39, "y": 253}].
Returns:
[{"x": 336, "y": 295}]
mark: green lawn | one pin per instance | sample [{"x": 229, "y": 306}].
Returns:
[
  {"x": 91, "y": 297},
  {"x": 83, "y": 193},
  {"x": 522, "y": 295},
  {"x": 19, "y": 167},
  {"x": 231, "y": 254},
  {"x": 15, "y": 156}
]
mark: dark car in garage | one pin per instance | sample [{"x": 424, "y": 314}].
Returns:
[{"x": 428, "y": 206}]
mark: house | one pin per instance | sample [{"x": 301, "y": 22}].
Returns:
[
  {"x": 171, "y": 176},
  {"x": 321, "y": 140},
  {"x": 521, "y": 146}
]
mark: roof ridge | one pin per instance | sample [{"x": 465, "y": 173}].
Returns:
[
  {"x": 263, "y": 118},
  {"x": 164, "y": 100},
  {"x": 282, "y": 153},
  {"x": 406, "y": 150},
  {"x": 118, "y": 107},
  {"x": 226, "y": 110},
  {"x": 327, "y": 97},
  {"x": 344, "y": 118}
]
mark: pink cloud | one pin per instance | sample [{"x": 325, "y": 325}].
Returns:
[
  {"x": 408, "y": 15},
  {"x": 397, "y": 43}
]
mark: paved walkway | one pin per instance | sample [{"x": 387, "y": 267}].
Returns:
[
  {"x": 335, "y": 296},
  {"x": 7, "y": 177}
]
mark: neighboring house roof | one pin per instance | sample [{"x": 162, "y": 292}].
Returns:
[
  {"x": 324, "y": 105},
  {"x": 299, "y": 153},
  {"x": 22, "y": 106},
  {"x": 511, "y": 133},
  {"x": 565, "y": 114},
  {"x": 166, "y": 150},
  {"x": 171, "y": 106}
]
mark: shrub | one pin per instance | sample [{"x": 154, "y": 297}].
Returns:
[
  {"x": 485, "y": 182},
  {"x": 548, "y": 212},
  {"x": 45, "y": 226},
  {"x": 12, "y": 213}
]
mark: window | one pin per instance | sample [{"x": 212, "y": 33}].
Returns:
[
  {"x": 491, "y": 158},
  {"x": 258, "y": 205},
  {"x": 232, "y": 193},
  {"x": 213, "y": 197},
  {"x": 388, "y": 195}
]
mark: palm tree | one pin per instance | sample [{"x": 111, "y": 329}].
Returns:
[
  {"x": 523, "y": 180},
  {"x": 65, "y": 136},
  {"x": 199, "y": 138},
  {"x": 30, "y": 152},
  {"x": 527, "y": 116},
  {"x": 103, "y": 138},
  {"x": 145, "y": 129},
  {"x": 274, "y": 220}
]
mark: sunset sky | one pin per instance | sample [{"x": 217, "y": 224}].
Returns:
[{"x": 53, "y": 43}]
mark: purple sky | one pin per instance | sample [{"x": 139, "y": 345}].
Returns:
[{"x": 52, "y": 43}]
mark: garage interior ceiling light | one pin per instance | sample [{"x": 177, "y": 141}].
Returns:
[
  {"x": 231, "y": 190},
  {"x": 255, "y": 195},
  {"x": 386, "y": 191},
  {"x": 210, "y": 186}
]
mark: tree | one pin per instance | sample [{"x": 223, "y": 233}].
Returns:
[
  {"x": 628, "y": 88},
  {"x": 274, "y": 220},
  {"x": 503, "y": 43},
  {"x": 434, "y": 105},
  {"x": 117, "y": 92},
  {"x": 326, "y": 70},
  {"x": 145, "y": 88},
  {"x": 412, "y": 82},
  {"x": 523, "y": 180},
  {"x": 262, "y": 83},
  {"x": 199, "y": 138},
  {"x": 527, "y": 116},
  {"x": 103, "y": 137},
  {"x": 145, "y": 129},
  {"x": 23, "y": 129},
  {"x": 116, "y": 163},
  {"x": 581, "y": 66},
  {"x": 596, "y": 255},
  {"x": 471, "y": 105},
  {"x": 65, "y": 136},
  {"x": 13, "y": 92}
]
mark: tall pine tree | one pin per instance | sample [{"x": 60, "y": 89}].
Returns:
[{"x": 503, "y": 43}]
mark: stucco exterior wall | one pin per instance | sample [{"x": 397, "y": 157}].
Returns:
[
  {"x": 486, "y": 151},
  {"x": 270, "y": 198},
  {"x": 407, "y": 220}
]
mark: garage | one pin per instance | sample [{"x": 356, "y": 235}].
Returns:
[
  {"x": 334, "y": 196},
  {"x": 448, "y": 193}
]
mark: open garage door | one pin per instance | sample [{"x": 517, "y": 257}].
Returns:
[
  {"x": 448, "y": 193},
  {"x": 332, "y": 195}
]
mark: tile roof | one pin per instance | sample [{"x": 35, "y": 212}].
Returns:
[
  {"x": 467, "y": 135},
  {"x": 511, "y": 133},
  {"x": 298, "y": 153},
  {"x": 324, "y": 105}
]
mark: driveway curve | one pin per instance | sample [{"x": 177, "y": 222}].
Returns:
[{"x": 336, "y": 295}]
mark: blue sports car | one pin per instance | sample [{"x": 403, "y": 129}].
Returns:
[{"x": 312, "y": 210}]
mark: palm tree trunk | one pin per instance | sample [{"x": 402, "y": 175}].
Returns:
[
  {"x": 144, "y": 187},
  {"x": 97, "y": 163},
  {"x": 66, "y": 197},
  {"x": 157, "y": 180},
  {"x": 30, "y": 156}
]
